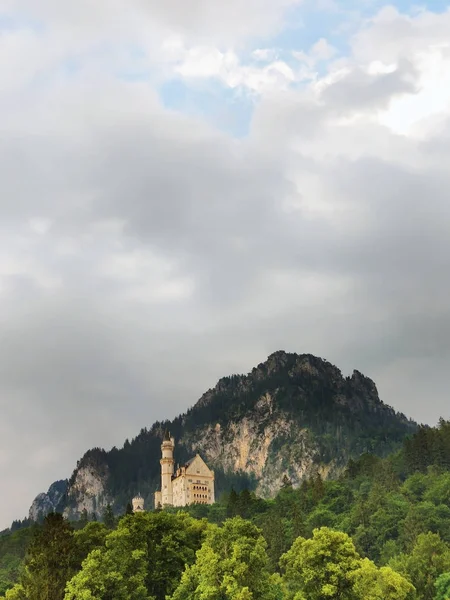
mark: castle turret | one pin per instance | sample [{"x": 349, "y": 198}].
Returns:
[
  {"x": 167, "y": 462},
  {"x": 138, "y": 504}
]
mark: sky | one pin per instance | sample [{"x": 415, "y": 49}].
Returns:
[{"x": 189, "y": 186}]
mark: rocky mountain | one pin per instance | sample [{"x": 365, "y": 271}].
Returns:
[
  {"x": 48, "y": 501},
  {"x": 293, "y": 415}
]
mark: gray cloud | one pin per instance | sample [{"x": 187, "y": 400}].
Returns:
[
  {"x": 360, "y": 90},
  {"x": 143, "y": 255}
]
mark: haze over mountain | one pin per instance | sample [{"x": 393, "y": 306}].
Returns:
[{"x": 188, "y": 186}]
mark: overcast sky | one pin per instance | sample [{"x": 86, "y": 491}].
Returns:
[{"x": 188, "y": 186}]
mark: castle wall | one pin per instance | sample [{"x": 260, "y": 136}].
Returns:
[{"x": 179, "y": 491}]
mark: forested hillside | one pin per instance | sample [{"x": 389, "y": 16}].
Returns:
[
  {"x": 293, "y": 415},
  {"x": 380, "y": 531}
]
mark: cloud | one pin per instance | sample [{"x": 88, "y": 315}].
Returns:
[
  {"x": 358, "y": 89},
  {"x": 232, "y": 21},
  {"x": 144, "y": 253},
  {"x": 204, "y": 62}
]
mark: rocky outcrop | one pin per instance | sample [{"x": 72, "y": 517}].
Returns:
[
  {"x": 47, "y": 502},
  {"x": 88, "y": 490},
  {"x": 246, "y": 446},
  {"x": 293, "y": 415}
]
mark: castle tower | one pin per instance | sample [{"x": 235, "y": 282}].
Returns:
[
  {"x": 138, "y": 504},
  {"x": 167, "y": 462}
]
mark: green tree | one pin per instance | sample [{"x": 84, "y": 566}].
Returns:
[
  {"x": 320, "y": 517},
  {"x": 143, "y": 558},
  {"x": 15, "y": 593},
  {"x": 244, "y": 504},
  {"x": 276, "y": 534},
  {"x": 108, "y": 517},
  {"x": 13, "y": 548},
  {"x": 231, "y": 565},
  {"x": 317, "y": 488},
  {"x": 439, "y": 490},
  {"x": 429, "y": 558},
  {"x": 298, "y": 524},
  {"x": 51, "y": 560},
  {"x": 443, "y": 587},
  {"x": 371, "y": 583},
  {"x": 321, "y": 567},
  {"x": 91, "y": 537},
  {"x": 102, "y": 578},
  {"x": 232, "y": 503}
]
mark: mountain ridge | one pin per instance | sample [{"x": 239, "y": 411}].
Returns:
[{"x": 292, "y": 415}]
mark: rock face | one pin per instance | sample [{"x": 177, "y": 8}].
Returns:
[
  {"x": 247, "y": 447},
  {"x": 88, "y": 491},
  {"x": 47, "y": 502},
  {"x": 293, "y": 415}
]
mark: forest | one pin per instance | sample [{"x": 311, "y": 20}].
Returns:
[
  {"x": 381, "y": 531},
  {"x": 328, "y": 416}
]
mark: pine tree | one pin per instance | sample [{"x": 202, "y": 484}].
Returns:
[
  {"x": 232, "y": 504},
  {"x": 244, "y": 504},
  {"x": 318, "y": 488},
  {"x": 108, "y": 517},
  {"x": 51, "y": 560},
  {"x": 298, "y": 525}
]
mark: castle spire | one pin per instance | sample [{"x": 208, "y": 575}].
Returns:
[{"x": 167, "y": 464}]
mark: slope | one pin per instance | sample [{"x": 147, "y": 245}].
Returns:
[{"x": 293, "y": 415}]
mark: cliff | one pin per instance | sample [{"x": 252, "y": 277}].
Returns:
[
  {"x": 49, "y": 501},
  {"x": 293, "y": 415}
]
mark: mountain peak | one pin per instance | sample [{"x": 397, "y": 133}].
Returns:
[{"x": 292, "y": 415}]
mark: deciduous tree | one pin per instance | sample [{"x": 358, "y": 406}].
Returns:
[{"x": 231, "y": 565}]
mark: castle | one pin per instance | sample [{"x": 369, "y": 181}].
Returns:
[{"x": 193, "y": 483}]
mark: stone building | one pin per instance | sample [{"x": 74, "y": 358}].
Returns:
[
  {"x": 192, "y": 483},
  {"x": 138, "y": 504}
]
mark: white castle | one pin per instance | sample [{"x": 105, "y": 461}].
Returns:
[{"x": 193, "y": 483}]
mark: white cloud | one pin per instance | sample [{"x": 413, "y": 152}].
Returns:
[
  {"x": 223, "y": 22},
  {"x": 391, "y": 37},
  {"x": 321, "y": 50},
  {"x": 414, "y": 114},
  {"x": 206, "y": 62}
]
